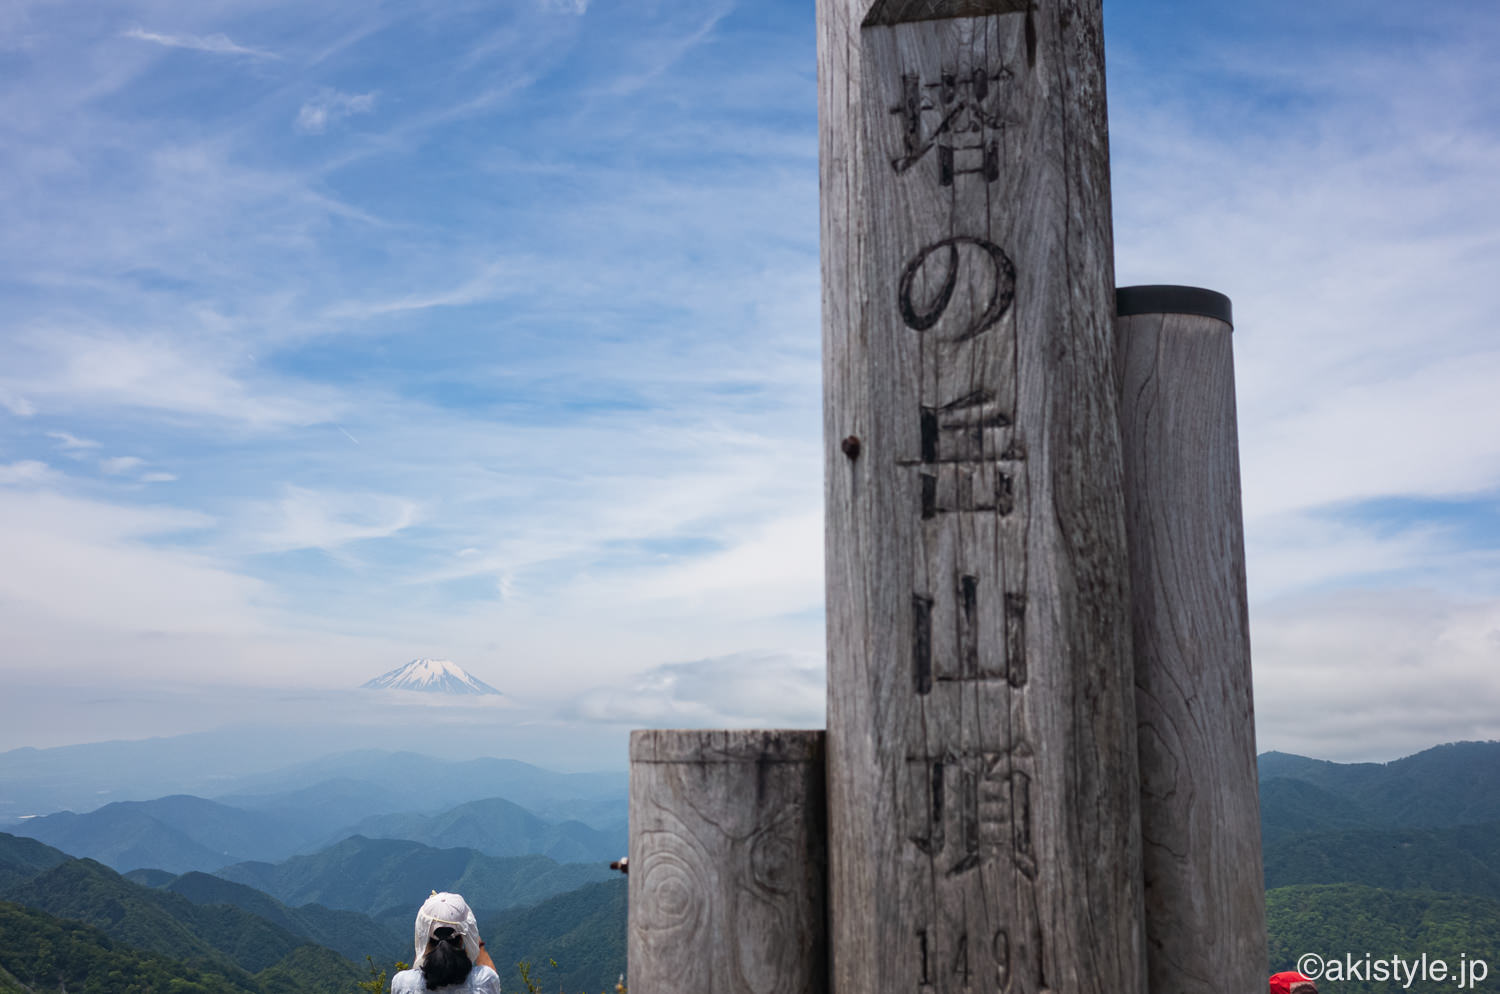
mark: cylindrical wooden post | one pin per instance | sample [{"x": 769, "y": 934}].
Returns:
[
  {"x": 1204, "y": 896},
  {"x": 727, "y": 862},
  {"x": 984, "y": 832}
]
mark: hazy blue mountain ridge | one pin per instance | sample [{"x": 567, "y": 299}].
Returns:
[
  {"x": 177, "y": 833},
  {"x": 497, "y": 827},
  {"x": 323, "y": 809},
  {"x": 424, "y": 783},
  {"x": 85, "y": 777},
  {"x": 181, "y": 834},
  {"x": 394, "y": 876},
  {"x": 248, "y": 768}
]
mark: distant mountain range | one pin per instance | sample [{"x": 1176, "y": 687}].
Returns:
[
  {"x": 235, "y": 765},
  {"x": 1401, "y": 857},
  {"x": 182, "y": 834},
  {"x": 496, "y": 827},
  {"x": 179, "y": 834},
  {"x": 430, "y": 676},
  {"x": 499, "y": 807},
  {"x": 389, "y": 878}
]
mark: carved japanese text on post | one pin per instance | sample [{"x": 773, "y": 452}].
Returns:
[
  {"x": 973, "y": 802},
  {"x": 886, "y": 12},
  {"x": 945, "y": 112},
  {"x": 959, "y": 115},
  {"x": 980, "y": 644},
  {"x": 957, "y": 295}
]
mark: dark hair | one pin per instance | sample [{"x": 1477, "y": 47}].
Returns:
[{"x": 446, "y": 963}]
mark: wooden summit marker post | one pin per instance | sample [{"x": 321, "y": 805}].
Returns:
[{"x": 983, "y": 791}]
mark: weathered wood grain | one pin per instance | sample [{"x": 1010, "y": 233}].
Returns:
[
  {"x": 1205, "y": 905},
  {"x": 982, "y": 769},
  {"x": 727, "y": 862}
]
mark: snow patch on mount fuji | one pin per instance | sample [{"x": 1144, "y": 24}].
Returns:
[{"x": 431, "y": 676}]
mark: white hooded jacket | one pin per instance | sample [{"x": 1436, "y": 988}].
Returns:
[{"x": 450, "y": 910}]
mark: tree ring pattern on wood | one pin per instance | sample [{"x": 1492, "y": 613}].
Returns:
[
  {"x": 727, "y": 862},
  {"x": 675, "y": 884}
]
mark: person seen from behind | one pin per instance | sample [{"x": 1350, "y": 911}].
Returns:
[
  {"x": 449, "y": 953},
  {"x": 1292, "y": 982}
]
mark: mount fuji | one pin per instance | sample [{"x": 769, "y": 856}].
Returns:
[{"x": 433, "y": 676}]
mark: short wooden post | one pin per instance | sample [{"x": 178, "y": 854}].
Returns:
[
  {"x": 727, "y": 862},
  {"x": 983, "y": 784},
  {"x": 1204, "y": 897}
]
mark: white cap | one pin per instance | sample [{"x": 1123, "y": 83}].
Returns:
[{"x": 450, "y": 910}]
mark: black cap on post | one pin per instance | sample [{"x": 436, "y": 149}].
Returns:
[{"x": 1161, "y": 299}]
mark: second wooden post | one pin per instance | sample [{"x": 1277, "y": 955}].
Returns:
[
  {"x": 981, "y": 730},
  {"x": 1200, "y": 815}
]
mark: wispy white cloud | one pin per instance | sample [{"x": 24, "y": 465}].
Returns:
[
  {"x": 218, "y": 44},
  {"x": 578, "y": 7},
  {"x": 115, "y": 465},
  {"x": 308, "y": 519},
  {"x": 95, "y": 565},
  {"x": 492, "y": 281},
  {"x": 83, "y": 371},
  {"x": 95, "y": 588},
  {"x": 16, "y": 404},
  {"x": 157, "y": 477},
  {"x": 776, "y": 568},
  {"x": 1301, "y": 552},
  {"x": 759, "y": 689},
  {"x": 660, "y": 54},
  {"x": 72, "y": 443},
  {"x": 331, "y": 106},
  {"x": 27, "y": 472}
]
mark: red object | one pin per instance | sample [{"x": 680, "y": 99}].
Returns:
[{"x": 1284, "y": 983}]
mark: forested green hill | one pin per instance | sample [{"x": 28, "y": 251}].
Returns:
[
  {"x": 40, "y": 953},
  {"x": 1350, "y": 920},
  {"x": 583, "y": 931},
  {"x": 349, "y": 933},
  {"x": 1399, "y": 858},
  {"x": 1454, "y": 784},
  {"x": 1463, "y": 859},
  {"x": 90, "y": 926},
  {"x": 23, "y": 858}
]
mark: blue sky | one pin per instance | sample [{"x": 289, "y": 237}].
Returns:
[{"x": 337, "y": 334}]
